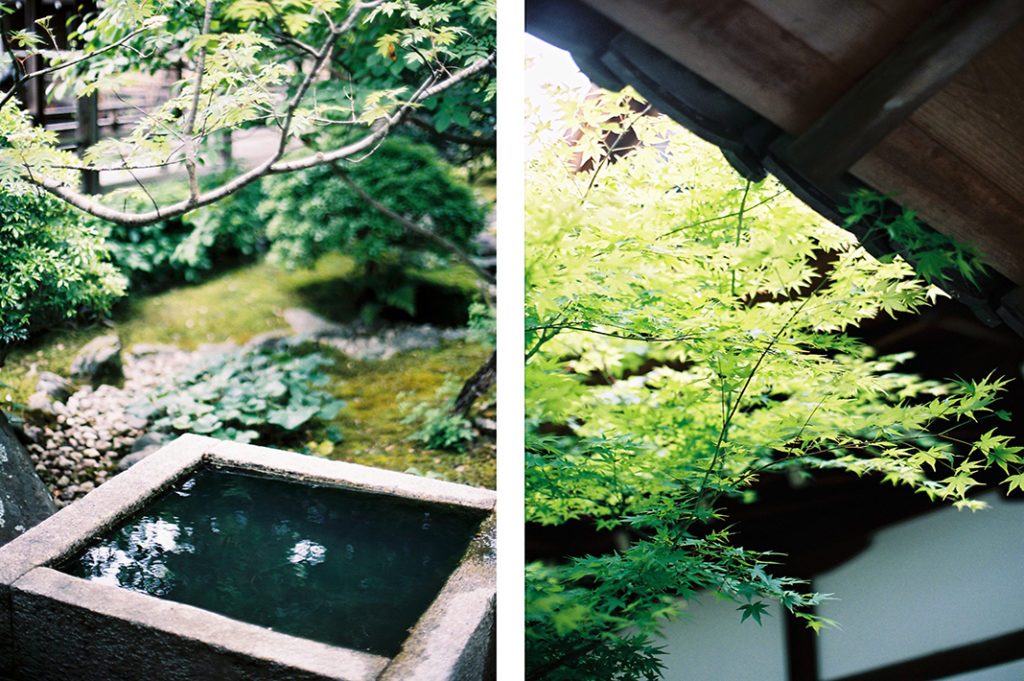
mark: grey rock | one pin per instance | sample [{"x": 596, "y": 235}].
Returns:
[
  {"x": 99, "y": 361},
  {"x": 54, "y": 385},
  {"x": 135, "y": 457},
  {"x": 208, "y": 349},
  {"x": 305, "y": 322},
  {"x": 154, "y": 439},
  {"x": 40, "y": 402},
  {"x": 269, "y": 340}
]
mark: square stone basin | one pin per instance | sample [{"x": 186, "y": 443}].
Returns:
[{"x": 164, "y": 573}]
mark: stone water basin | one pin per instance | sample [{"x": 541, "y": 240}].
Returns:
[{"x": 219, "y": 560}]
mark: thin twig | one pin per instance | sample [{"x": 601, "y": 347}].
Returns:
[
  {"x": 611, "y": 151},
  {"x": 721, "y": 217},
  {"x": 25, "y": 77},
  {"x": 190, "y": 116}
]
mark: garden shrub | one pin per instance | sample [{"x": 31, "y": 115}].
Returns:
[
  {"x": 313, "y": 211},
  {"x": 187, "y": 248},
  {"x": 246, "y": 395},
  {"x": 53, "y": 264}
]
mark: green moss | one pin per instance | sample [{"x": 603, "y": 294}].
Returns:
[
  {"x": 372, "y": 419},
  {"x": 245, "y": 302}
]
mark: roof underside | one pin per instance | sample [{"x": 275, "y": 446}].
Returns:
[{"x": 920, "y": 100}]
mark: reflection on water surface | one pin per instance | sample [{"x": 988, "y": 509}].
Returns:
[{"x": 337, "y": 566}]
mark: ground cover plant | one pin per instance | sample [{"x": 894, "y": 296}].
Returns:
[
  {"x": 246, "y": 395},
  {"x": 687, "y": 332}
]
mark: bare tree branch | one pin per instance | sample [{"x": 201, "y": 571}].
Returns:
[{"x": 190, "y": 116}]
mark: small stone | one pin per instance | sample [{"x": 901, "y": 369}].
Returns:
[
  {"x": 90, "y": 463},
  {"x": 87, "y": 487},
  {"x": 63, "y": 481}
]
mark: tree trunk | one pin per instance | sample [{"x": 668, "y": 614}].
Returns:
[
  {"x": 477, "y": 385},
  {"x": 24, "y": 499}
]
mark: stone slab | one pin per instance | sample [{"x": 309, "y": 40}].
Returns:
[{"x": 54, "y": 627}]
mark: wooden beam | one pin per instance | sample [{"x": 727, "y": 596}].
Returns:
[
  {"x": 801, "y": 650},
  {"x": 905, "y": 79},
  {"x": 966, "y": 658}
]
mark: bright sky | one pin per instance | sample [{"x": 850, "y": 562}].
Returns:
[{"x": 548, "y": 65}]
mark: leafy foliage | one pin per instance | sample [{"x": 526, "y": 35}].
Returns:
[
  {"x": 282, "y": 66},
  {"x": 438, "y": 427},
  {"x": 186, "y": 248},
  {"x": 936, "y": 257},
  {"x": 53, "y": 265},
  {"x": 313, "y": 211},
  {"x": 246, "y": 395},
  {"x": 688, "y": 332}
]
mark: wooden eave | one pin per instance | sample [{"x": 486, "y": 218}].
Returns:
[{"x": 921, "y": 100}]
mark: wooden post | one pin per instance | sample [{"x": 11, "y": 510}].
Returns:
[
  {"x": 35, "y": 89},
  {"x": 801, "y": 650},
  {"x": 88, "y": 133}
]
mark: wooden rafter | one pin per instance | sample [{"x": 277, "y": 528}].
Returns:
[{"x": 904, "y": 80}]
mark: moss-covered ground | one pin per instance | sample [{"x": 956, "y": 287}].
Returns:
[{"x": 239, "y": 304}]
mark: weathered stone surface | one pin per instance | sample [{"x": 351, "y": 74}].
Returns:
[
  {"x": 99, "y": 362},
  {"x": 267, "y": 341},
  {"x": 359, "y": 342},
  {"x": 55, "y": 386},
  {"x": 24, "y": 500},
  {"x": 62, "y": 627}
]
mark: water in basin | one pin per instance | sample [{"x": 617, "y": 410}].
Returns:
[{"x": 329, "y": 564}]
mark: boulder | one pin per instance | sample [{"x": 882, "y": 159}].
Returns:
[
  {"x": 24, "y": 499},
  {"x": 143, "y": 447},
  {"x": 54, "y": 386},
  {"x": 311, "y": 324},
  {"x": 99, "y": 362}
]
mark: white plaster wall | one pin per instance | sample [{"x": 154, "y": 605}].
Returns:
[
  {"x": 944, "y": 579},
  {"x": 938, "y": 581},
  {"x": 712, "y": 645}
]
